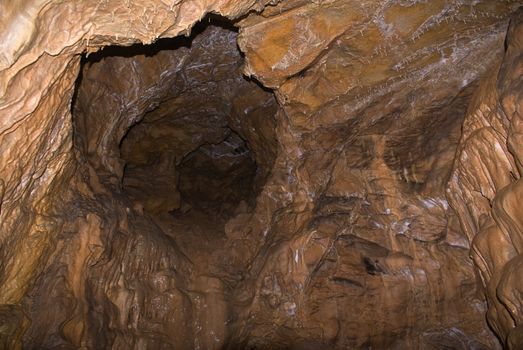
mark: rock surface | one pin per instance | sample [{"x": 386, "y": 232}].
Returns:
[{"x": 358, "y": 188}]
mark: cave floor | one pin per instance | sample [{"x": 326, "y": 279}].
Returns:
[{"x": 196, "y": 233}]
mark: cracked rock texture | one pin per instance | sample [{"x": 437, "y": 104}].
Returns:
[{"x": 237, "y": 174}]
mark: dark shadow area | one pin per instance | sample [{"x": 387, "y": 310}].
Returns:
[
  {"x": 204, "y": 140},
  {"x": 218, "y": 177}
]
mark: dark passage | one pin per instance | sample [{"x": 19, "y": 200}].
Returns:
[{"x": 194, "y": 133}]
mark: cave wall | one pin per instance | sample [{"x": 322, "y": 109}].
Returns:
[
  {"x": 485, "y": 187},
  {"x": 368, "y": 165},
  {"x": 357, "y": 238}
]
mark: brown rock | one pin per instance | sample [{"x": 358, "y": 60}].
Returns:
[{"x": 358, "y": 188}]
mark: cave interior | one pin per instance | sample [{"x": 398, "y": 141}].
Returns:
[{"x": 279, "y": 175}]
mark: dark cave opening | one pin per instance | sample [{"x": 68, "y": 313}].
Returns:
[
  {"x": 176, "y": 125},
  {"x": 213, "y": 176}
]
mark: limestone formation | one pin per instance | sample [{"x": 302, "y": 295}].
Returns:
[{"x": 235, "y": 174}]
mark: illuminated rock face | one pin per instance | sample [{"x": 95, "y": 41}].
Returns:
[{"x": 350, "y": 179}]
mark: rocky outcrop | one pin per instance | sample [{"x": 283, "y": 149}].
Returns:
[{"x": 154, "y": 197}]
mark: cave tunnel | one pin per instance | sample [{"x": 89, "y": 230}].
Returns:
[
  {"x": 196, "y": 140},
  {"x": 261, "y": 175}
]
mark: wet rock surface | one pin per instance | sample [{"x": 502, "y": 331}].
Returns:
[{"x": 288, "y": 175}]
